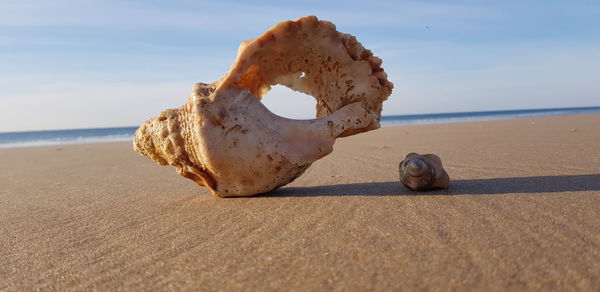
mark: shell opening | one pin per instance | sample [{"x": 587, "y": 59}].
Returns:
[{"x": 286, "y": 102}]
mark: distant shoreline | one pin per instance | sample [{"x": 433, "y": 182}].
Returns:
[
  {"x": 116, "y": 134},
  {"x": 396, "y": 120}
]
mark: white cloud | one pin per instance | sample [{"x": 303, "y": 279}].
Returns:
[
  {"x": 532, "y": 76},
  {"x": 133, "y": 79},
  {"x": 226, "y": 16},
  {"x": 120, "y": 14},
  {"x": 79, "y": 105}
]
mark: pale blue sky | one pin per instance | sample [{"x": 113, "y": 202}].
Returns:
[{"x": 78, "y": 64}]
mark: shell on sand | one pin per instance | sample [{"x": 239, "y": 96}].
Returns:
[
  {"x": 224, "y": 138},
  {"x": 423, "y": 172}
]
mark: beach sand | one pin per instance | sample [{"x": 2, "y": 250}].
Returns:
[{"x": 522, "y": 213}]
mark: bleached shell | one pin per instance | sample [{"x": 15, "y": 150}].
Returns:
[{"x": 224, "y": 138}]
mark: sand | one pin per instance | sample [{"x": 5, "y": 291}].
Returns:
[{"x": 523, "y": 213}]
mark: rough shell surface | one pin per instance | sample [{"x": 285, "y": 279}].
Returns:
[
  {"x": 224, "y": 138},
  {"x": 423, "y": 172}
]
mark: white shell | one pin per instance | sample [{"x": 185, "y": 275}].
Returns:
[{"x": 224, "y": 138}]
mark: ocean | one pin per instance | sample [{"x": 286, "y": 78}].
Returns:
[{"x": 80, "y": 136}]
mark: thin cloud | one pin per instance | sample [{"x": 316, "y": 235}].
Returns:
[
  {"x": 527, "y": 77},
  {"x": 70, "y": 63},
  {"x": 68, "y": 105},
  {"x": 225, "y": 16}
]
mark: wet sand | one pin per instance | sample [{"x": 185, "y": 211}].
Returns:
[{"x": 522, "y": 213}]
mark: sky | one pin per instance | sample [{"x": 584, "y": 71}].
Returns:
[{"x": 83, "y": 64}]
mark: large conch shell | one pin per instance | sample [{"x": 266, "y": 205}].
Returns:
[{"x": 224, "y": 138}]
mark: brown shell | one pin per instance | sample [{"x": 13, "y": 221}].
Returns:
[{"x": 423, "y": 172}]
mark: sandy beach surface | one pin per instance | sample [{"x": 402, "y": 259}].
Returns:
[{"x": 522, "y": 213}]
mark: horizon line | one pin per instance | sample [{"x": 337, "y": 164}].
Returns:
[{"x": 383, "y": 116}]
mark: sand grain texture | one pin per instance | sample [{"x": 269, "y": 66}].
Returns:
[{"x": 521, "y": 214}]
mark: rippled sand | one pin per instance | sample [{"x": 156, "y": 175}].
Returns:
[{"x": 522, "y": 213}]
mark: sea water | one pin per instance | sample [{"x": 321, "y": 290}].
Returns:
[{"x": 78, "y": 136}]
